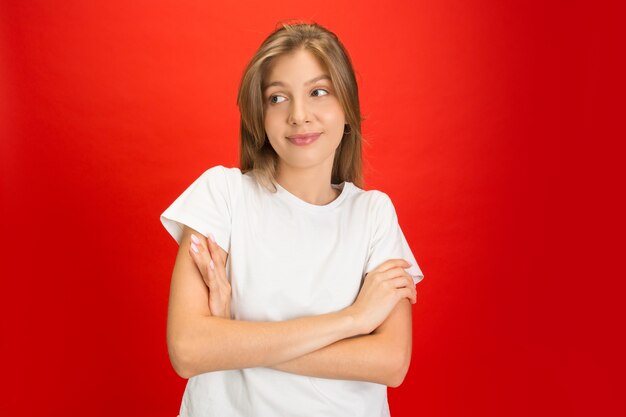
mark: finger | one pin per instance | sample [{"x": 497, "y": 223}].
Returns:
[
  {"x": 219, "y": 296},
  {"x": 399, "y": 282},
  {"x": 216, "y": 255},
  {"x": 410, "y": 282},
  {"x": 218, "y": 280},
  {"x": 404, "y": 282},
  {"x": 399, "y": 288},
  {"x": 211, "y": 277},
  {"x": 194, "y": 251},
  {"x": 199, "y": 252},
  {"x": 405, "y": 293},
  {"x": 411, "y": 285},
  {"x": 200, "y": 244},
  {"x": 213, "y": 248},
  {"x": 392, "y": 263},
  {"x": 394, "y": 272},
  {"x": 200, "y": 255}
]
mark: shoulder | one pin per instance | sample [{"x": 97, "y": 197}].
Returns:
[
  {"x": 220, "y": 171},
  {"x": 221, "y": 176},
  {"x": 374, "y": 200}
]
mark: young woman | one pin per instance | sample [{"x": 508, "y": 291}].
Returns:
[{"x": 299, "y": 301}]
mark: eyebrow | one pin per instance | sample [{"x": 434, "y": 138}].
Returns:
[{"x": 281, "y": 84}]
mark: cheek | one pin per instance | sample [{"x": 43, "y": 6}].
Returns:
[
  {"x": 274, "y": 114},
  {"x": 269, "y": 119},
  {"x": 333, "y": 115}
]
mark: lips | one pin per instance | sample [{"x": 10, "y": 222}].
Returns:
[{"x": 304, "y": 138}]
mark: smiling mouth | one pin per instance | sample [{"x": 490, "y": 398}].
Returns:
[{"x": 304, "y": 139}]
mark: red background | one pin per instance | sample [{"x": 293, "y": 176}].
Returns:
[{"x": 485, "y": 124}]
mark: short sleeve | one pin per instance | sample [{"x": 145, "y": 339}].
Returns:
[
  {"x": 204, "y": 206},
  {"x": 388, "y": 241}
]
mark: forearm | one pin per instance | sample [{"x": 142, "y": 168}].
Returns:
[
  {"x": 212, "y": 343},
  {"x": 199, "y": 342},
  {"x": 362, "y": 358},
  {"x": 382, "y": 356}
]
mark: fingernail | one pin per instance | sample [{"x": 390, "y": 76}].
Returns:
[
  {"x": 212, "y": 237},
  {"x": 195, "y": 239},
  {"x": 211, "y": 264},
  {"x": 194, "y": 248}
]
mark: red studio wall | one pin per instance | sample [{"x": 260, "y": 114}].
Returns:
[{"x": 472, "y": 122}]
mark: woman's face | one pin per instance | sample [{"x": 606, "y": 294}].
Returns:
[{"x": 300, "y": 99}]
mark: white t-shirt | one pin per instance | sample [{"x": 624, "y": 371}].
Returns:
[{"x": 287, "y": 259}]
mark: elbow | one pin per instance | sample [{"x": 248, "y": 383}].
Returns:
[
  {"x": 399, "y": 368},
  {"x": 396, "y": 380},
  {"x": 187, "y": 356},
  {"x": 180, "y": 359}
]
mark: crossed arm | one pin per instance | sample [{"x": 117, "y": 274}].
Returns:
[
  {"x": 322, "y": 346},
  {"x": 382, "y": 356}
]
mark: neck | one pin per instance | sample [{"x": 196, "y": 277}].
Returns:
[{"x": 309, "y": 184}]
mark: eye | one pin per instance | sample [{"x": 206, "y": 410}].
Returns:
[
  {"x": 275, "y": 97},
  {"x": 320, "y": 89}
]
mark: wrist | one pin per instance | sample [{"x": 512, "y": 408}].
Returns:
[{"x": 356, "y": 328}]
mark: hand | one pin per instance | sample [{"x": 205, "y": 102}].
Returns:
[
  {"x": 382, "y": 288},
  {"x": 211, "y": 262}
]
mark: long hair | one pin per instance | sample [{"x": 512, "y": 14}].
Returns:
[{"x": 256, "y": 152}]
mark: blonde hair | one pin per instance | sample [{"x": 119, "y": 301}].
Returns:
[{"x": 256, "y": 153}]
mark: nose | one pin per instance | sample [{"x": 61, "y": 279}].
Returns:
[{"x": 298, "y": 112}]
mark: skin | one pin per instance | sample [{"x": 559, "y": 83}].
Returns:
[
  {"x": 365, "y": 357},
  {"x": 297, "y": 106},
  {"x": 368, "y": 341}
]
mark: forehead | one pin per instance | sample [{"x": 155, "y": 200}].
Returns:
[{"x": 294, "y": 68}]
